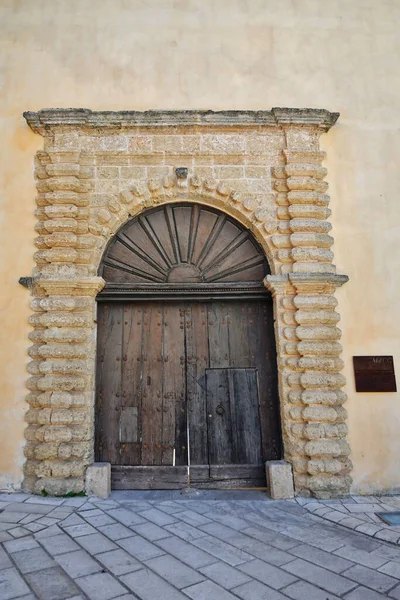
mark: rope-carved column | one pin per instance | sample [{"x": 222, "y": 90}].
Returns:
[
  {"x": 320, "y": 461},
  {"x": 60, "y": 418}
]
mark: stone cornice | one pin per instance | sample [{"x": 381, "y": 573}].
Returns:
[{"x": 83, "y": 118}]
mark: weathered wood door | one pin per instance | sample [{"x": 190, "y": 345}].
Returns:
[
  {"x": 186, "y": 369},
  {"x": 186, "y": 382}
]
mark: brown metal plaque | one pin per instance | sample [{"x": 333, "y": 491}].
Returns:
[{"x": 374, "y": 374}]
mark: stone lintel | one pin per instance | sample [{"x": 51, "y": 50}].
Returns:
[
  {"x": 89, "y": 286},
  {"x": 84, "y": 118}
]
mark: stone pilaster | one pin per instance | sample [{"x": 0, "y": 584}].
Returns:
[
  {"x": 316, "y": 415},
  {"x": 60, "y": 430},
  {"x": 320, "y": 383},
  {"x": 283, "y": 293},
  {"x": 60, "y": 418},
  {"x": 65, "y": 245}
]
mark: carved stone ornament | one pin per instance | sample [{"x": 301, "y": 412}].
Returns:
[{"x": 261, "y": 168}]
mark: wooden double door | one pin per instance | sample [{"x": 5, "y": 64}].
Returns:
[{"x": 186, "y": 383}]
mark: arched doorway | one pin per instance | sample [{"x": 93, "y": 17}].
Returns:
[{"x": 186, "y": 363}]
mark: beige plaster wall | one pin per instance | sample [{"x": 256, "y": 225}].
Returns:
[{"x": 220, "y": 54}]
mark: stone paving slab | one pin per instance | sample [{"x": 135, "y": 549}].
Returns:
[
  {"x": 78, "y": 564},
  {"x": 49, "y": 584},
  {"x": 202, "y": 545}
]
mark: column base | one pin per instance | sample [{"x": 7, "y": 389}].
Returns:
[
  {"x": 98, "y": 480},
  {"x": 279, "y": 479}
]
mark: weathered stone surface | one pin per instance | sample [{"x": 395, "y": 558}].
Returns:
[
  {"x": 279, "y": 479},
  {"x": 319, "y": 348},
  {"x": 329, "y": 397},
  {"x": 322, "y": 380},
  {"x": 318, "y": 333},
  {"x": 319, "y": 413},
  {"x": 98, "y": 480},
  {"x": 317, "y": 317},
  {"x": 323, "y": 448}
]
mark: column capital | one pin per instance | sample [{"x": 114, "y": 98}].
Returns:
[
  {"x": 279, "y": 285},
  {"x": 318, "y": 283},
  {"x": 85, "y": 286}
]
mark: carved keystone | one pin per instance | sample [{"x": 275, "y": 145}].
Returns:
[{"x": 181, "y": 172}]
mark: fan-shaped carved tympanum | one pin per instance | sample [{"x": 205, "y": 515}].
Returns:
[{"x": 182, "y": 245}]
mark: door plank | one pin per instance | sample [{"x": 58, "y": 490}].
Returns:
[
  {"x": 132, "y": 382},
  {"x": 197, "y": 360},
  {"x": 220, "y": 448},
  {"x": 231, "y": 484},
  {"x": 148, "y": 478},
  {"x": 228, "y": 477},
  {"x": 218, "y": 341},
  {"x": 128, "y": 425},
  {"x": 238, "y": 340},
  {"x": 152, "y": 385},
  {"x": 247, "y": 423},
  {"x": 109, "y": 382},
  {"x": 233, "y": 416},
  {"x": 263, "y": 356},
  {"x": 238, "y": 471},
  {"x": 174, "y": 400},
  {"x": 199, "y": 473}
]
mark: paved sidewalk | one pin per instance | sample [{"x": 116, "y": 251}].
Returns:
[
  {"x": 358, "y": 513},
  {"x": 206, "y": 546}
]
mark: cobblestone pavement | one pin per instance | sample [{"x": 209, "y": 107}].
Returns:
[{"x": 206, "y": 546}]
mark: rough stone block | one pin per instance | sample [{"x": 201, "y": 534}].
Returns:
[
  {"x": 279, "y": 479},
  {"x": 98, "y": 480}
]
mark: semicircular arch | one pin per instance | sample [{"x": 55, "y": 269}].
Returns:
[
  {"x": 260, "y": 221},
  {"x": 183, "y": 246}
]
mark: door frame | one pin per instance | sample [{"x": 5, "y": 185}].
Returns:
[{"x": 280, "y": 197}]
